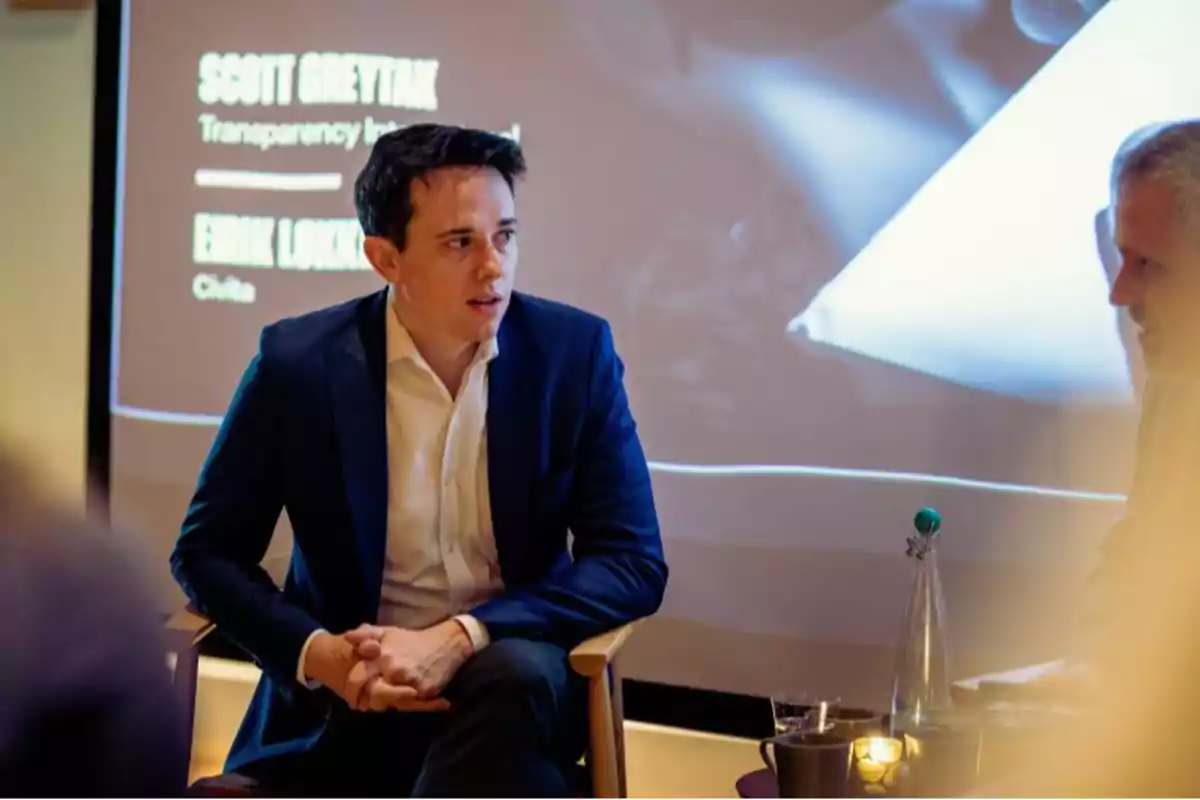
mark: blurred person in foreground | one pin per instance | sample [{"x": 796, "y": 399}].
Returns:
[
  {"x": 86, "y": 706},
  {"x": 433, "y": 443},
  {"x": 1137, "y": 664}
]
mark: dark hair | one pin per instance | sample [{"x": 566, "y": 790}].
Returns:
[{"x": 383, "y": 190}]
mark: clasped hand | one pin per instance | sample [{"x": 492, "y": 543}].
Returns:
[{"x": 387, "y": 667}]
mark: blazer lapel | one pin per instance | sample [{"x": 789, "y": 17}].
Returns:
[
  {"x": 358, "y": 384},
  {"x": 512, "y": 442}
]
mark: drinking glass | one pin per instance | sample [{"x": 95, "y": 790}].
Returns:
[{"x": 802, "y": 712}]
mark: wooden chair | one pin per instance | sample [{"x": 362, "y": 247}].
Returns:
[{"x": 595, "y": 659}]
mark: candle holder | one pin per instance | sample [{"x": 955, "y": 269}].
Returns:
[{"x": 878, "y": 764}]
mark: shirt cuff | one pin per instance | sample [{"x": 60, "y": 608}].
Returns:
[
  {"x": 476, "y": 632},
  {"x": 301, "y": 675}
]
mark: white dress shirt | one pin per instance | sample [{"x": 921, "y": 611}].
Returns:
[{"x": 441, "y": 556}]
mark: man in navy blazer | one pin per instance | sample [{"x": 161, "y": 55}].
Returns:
[{"x": 432, "y": 444}]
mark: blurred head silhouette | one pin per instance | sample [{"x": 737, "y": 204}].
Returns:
[{"x": 86, "y": 707}]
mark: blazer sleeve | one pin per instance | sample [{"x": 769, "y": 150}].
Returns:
[
  {"x": 229, "y": 524},
  {"x": 619, "y": 572}
]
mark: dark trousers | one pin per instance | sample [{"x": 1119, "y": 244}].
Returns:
[{"x": 517, "y": 726}]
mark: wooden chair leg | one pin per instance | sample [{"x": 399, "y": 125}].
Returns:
[
  {"x": 618, "y": 717},
  {"x": 602, "y": 737},
  {"x": 184, "y": 679}
]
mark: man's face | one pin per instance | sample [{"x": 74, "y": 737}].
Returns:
[
  {"x": 454, "y": 277},
  {"x": 1159, "y": 278}
]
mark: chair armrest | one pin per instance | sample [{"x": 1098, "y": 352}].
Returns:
[
  {"x": 188, "y": 626},
  {"x": 595, "y": 660},
  {"x": 183, "y": 631},
  {"x": 591, "y": 658},
  {"x": 588, "y": 659}
]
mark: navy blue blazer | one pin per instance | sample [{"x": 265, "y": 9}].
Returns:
[{"x": 306, "y": 432}]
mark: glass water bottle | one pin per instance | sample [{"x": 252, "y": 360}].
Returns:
[{"x": 921, "y": 685}]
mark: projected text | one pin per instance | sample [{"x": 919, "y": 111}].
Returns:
[
  {"x": 257, "y": 242},
  {"x": 329, "y": 79}
]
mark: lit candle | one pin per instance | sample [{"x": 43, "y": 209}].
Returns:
[{"x": 876, "y": 758}]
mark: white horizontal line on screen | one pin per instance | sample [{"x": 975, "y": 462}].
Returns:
[
  {"x": 269, "y": 181},
  {"x": 885, "y": 476},
  {"x": 736, "y": 470}
]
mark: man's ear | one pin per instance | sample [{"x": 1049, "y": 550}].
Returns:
[{"x": 383, "y": 256}]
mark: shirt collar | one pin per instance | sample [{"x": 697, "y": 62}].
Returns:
[{"x": 401, "y": 347}]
